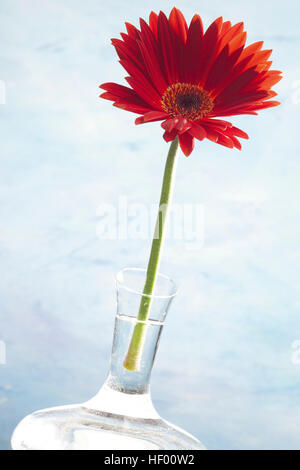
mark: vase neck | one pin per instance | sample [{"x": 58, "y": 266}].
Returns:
[
  {"x": 128, "y": 392},
  {"x": 138, "y": 381}
]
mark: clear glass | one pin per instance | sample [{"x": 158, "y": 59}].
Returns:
[{"x": 121, "y": 416}]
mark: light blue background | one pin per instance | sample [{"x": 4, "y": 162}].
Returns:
[{"x": 224, "y": 369}]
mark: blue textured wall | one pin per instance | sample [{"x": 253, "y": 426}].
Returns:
[{"x": 225, "y": 370}]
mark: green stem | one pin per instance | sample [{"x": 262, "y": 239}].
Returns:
[{"x": 132, "y": 359}]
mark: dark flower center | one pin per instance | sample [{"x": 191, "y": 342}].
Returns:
[{"x": 186, "y": 100}]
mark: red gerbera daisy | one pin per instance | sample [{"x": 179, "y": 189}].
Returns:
[{"x": 187, "y": 77}]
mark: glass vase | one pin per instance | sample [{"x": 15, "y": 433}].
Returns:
[{"x": 121, "y": 416}]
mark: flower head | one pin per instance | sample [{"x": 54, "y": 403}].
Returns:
[{"x": 187, "y": 78}]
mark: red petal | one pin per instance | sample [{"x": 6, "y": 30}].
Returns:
[
  {"x": 234, "y": 88},
  {"x": 167, "y": 48},
  {"x": 226, "y": 137},
  {"x": 126, "y": 52},
  {"x": 251, "y": 49},
  {"x": 150, "y": 117},
  {"x": 153, "y": 21},
  {"x": 152, "y": 58},
  {"x": 140, "y": 84},
  {"x": 170, "y": 136},
  {"x": 108, "y": 96},
  {"x": 219, "y": 138},
  {"x": 187, "y": 143},
  {"x": 225, "y": 140},
  {"x": 235, "y": 112},
  {"x": 216, "y": 123},
  {"x": 221, "y": 68},
  {"x": 209, "y": 49},
  {"x": 193, "y": 49},
  {"x": 260, "y": 57},
  {"x": 181, "y": 124},
  {"x": 131, "y": 107},
  {"x": 236, "y": 142},
  {"x": 178, "y": 23},
  {"x": 133, "y": 32},
  {"x": 233, "y": 32},
  {"x": 237, "y": 132},
  {"x": 124, "y": 97},
  {"x": 120, "y": 91},
  {"x": 249, "y": 57},
  {"x": 243, "y": 99},
  {"x": 198, "y": 131},
  {"x": 212, "y": 134},
  {"x": 225, "y": 27},
  {"x": 169, "y": 124},
  {"x": 267, "y": 104}
]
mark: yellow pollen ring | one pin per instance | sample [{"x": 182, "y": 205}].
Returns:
[{"x": 186, "y": 100}]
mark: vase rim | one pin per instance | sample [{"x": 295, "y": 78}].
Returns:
[{"x": 119, "y": 280}]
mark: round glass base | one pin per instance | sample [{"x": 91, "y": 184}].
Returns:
[{"x": 78, "y": 427}]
